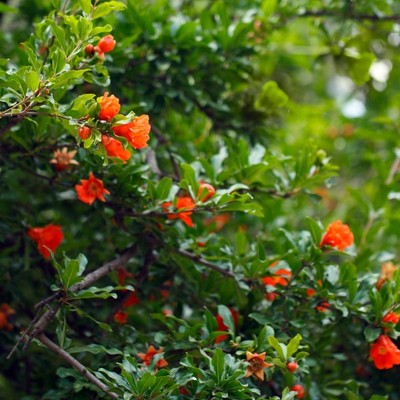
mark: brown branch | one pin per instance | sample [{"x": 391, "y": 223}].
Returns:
[
  {"x": 76, "y": 364},
  {"x": 38, "y": 325},
  {"x": 92, "y": 277},
  {"x": 206, "y": 263}
]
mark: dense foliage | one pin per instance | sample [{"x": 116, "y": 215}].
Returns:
[{"x": 174, "y": 177}]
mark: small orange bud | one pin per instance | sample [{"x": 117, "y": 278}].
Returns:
[
  {"x": 84, "y": 132},
  {"x": 205, "y": 192},
  {"x": 89, "y": 49},
  {"x": 292, "y": 366},
  {"x": 299, "y": 389}
]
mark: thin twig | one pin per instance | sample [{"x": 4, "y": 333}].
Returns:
[
  {"x": 76, "y": 364},
  {"x": 206, "y": 263},
  {"x": 348, "y": 15}
]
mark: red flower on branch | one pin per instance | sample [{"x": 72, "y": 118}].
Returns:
[
  {"x": 337, "y": 235},
  {"x": 48, "y": 238},
  {"x": 391, "y": 318},
  {"x": 222, "y": 327},
  {"x": 114, "y": 148},
  {"x": 280, "y": 277},
  {"x": 91, "y": 189},
  {"x": 148, "y": 357},
  {"x": 257, "y": 365},
  {"x": 384, "y": 353},
  {"x": 106, "y": 44},
  {"x": 121, "y": 317},
  {"x": 131, "y": 300},
  {"x": 135, "y": 132},
  {"x": 109, "y": 107},
  {"x": 63, "y": 159},
  {"x": 5, "y": 312},
  {"x": 184, "y": 205},
  {"x": 387, "y": 271}
]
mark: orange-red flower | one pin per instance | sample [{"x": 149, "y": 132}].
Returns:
[
  {"x": 271, "y": 296},
  {"x": 391, "y": 318},
  {"x": 123, "y": 274},
  {"x": 121, "y": 317},
  {"x": 106, "y": 44},
  {"x": 256, "y": 365},
  {"x": 310, "y": 292},
  {"x": 337, "y": 235},
  {"x": 299, "y": 389},
  {"x": 387, "y": 271},
  {"x": 223, "y": 327},
  {"x": 384, "y": 353},
  {"x": 114, "y": 148},
  {"x": 91, "y": 189},
  {"x": 63, "y": 159},
  {"x": 84, "y": 132},
  {"x": 109, "y": 107},
  {"x": 205, "y": 192},
  {"x": 131, "y": 300},
  {"x": 148, "y": 357},
  {"x": 184, "y": 205},
  {"x": 218, "y": 221},
  {"x": 48, "y": 238},
  {"x": 135, "y": 132},
  {"x": 5, "y": 312},
  {"x": 323, "y": 306},
  {"x": 280, "y": 277}
]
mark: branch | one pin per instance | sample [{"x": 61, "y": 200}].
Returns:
[
  {"x": 92, "y": 277},
  {"x": 206, "y": 263},
  {"x": 39, "y": 324},
  {"x": 348, "y": 15},
  {"x": 76, "y": 364}
]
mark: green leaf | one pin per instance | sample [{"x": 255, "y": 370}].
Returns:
[
  {"x": 189, "y": 180},
  {"x": 217, "y": 363},
  {"x": 280, "y": 348},
  {"x": 70, "y": 274},
  {"x": 315, "y": 229},
  {"x": 293, "y": 345},
  {"x": 32, "y": 80},
  {"x": 163, "y": 188},
  {"x": 86, "y": 5},
  {"x": 360, "y": 66},
  {"x": 145, "y": 382},
  {"x": 371, "y": 334},
  {"x": 262, "y": 341},
  {"x": 102, "y": 10},
  {"x": 227, "y": 318},
  {"x": 94, "y": 349},
  {"x": 4, "y": 8},
  {"x": 271, "y": 97}
]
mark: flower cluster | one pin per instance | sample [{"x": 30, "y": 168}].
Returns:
[
  {"x": 48, "y": 238},
  {"x": 135, "y": 132}
]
